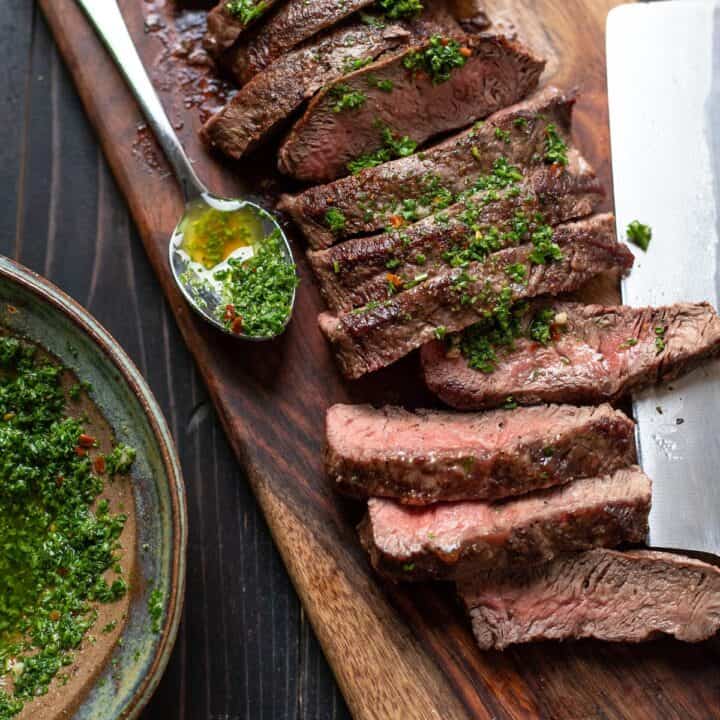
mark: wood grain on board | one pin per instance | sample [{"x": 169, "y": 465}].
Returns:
[{"x": 401, "y": 652}]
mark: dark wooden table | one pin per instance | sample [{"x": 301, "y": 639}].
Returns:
[{"x": 245, "y": 650}]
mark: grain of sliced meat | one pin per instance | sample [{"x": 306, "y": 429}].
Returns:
[
  {"x": 224, "y": 27},
  {"x": 352, "y": 117},
  {"x": 269, "y": 99},
  {"x": 457, "y": 540},
  {"x": 367, "y": 202},
  {"x": 605, "y": 594},
  {"x": 377, "y": 335},
  {"x": 355, "y": 272},
  {"x": 600, "y": 354},
  {"x": 428, "y": 456}
]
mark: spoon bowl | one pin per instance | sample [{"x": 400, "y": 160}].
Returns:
[{"x": 197, "y": 281}]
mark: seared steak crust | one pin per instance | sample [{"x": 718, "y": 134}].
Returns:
[
  {"x": 602, "y": 354},
  {"x": 426, "y": 456},
  {"x": 376, "y": 336},
  {"x": 456, "y": 540},
  {"x": 269, "y": 99},
  {"x": 497, "y": 73},
  {"x": 371, "y": 198},
  {"x": 604, "y": 594},
  {"x": 355, "y": 272},
  {"x": 295, "y": 22},
  {"x": 223, "y": 29}
]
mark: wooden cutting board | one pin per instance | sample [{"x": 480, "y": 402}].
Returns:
[{"x": 400, "y": 653}]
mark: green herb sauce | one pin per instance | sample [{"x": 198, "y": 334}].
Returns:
[
  {"x": 639, "y": 234},
  {"x": 438, "y": 59},
  {"x": 258, "y": 292},
  {"x": 60, "y": 543},
  {"x": 246, "y": 11},
  {"x": 395, "y": 9}
]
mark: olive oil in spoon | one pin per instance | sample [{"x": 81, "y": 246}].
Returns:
[{"x": 229, "y": 257}]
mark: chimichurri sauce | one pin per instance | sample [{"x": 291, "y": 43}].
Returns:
[
  {"x": 250, "y": 272},
  {"x": 59, "y": 541}
]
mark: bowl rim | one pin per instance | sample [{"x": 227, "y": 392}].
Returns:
[{"x": 53, "y": 295}]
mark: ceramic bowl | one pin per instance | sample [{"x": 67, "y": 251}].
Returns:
[{"x": 34, "y": 308}]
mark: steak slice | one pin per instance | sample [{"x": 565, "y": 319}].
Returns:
[
  {"x": 427, "y": 456},
  {"x": 605, "y": 594},
  {"x": 407, "y": 102},
  {"x": 299, "y": 20},
  {"x": 267, "y": 101},
  {"x": 377, "y": 335},
  {"x": 294, "y": 23},
  {"x": 456, "y": 540},
  {"x": 601, "y": 354},
  {"x": 224, "y": 28},
  {"x": 368, "y": 201},
  {"x": 356, "y": 271}
]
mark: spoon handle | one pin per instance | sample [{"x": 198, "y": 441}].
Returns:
[{"x": 108, "y": 21}]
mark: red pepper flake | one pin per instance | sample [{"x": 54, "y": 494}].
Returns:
[
  {"x": 62, "y": 572},
  {"x": 86, "y": 441},
  {"x": 237, "y": 326},
  {"x": 396, "y": 221},
  {"x": 444, "y": 42},
  {"x": 54, "y": 615},
  {"x": 80, "y": 452},
  {"x": 99, "y": 464},
  {"x": 230, "y": 313},
  {"x": 466, "y": 52},
  {"x": 395, "y": 280}
]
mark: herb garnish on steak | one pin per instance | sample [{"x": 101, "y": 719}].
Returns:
[
  {"x": 299, "y": 20},
  {"x": 267, "y": 101},
  {"x": 604, "y": 594},
  {"x": 227, "y": 21},
  {"x": 454, "y": 540},
  {"x": 594, "y": 354},
  {"x": 488, "y": 72},
  {"x": 428, "y": 456},
  {"x": 433, "y": 179},
  {"x": 507, "y": 213},
  {"x": 378, "y": 334}
]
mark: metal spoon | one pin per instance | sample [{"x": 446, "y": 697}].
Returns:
[{"x": 196, "y": 283}]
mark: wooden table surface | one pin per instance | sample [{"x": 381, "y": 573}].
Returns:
[{"x": 244, "y": 650}]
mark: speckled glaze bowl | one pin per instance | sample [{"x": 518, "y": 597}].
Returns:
[{"x": 34, "y": 308}]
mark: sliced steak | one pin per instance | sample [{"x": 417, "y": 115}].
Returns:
[
  {"x": 295, "y": 22},
  {"x": 224, "y": 27},
  {"x": 605, "y": 594},
  {"x": 267, "y": 101},
  {"x": 456, "y": 540},
  {"x": 407, "y": 102},
  {"x": 377, "y": 335},
  {"x": 369, "y": 201},
  {"x": 358, "y": 271},
  {"x": 600, "y": 353},
  {"x": 426, "y": 456}
]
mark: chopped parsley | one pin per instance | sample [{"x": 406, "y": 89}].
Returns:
[
  {"x": 516, "y": 272},
  {"x": 639, "y": 234},
  {"x": 395, "y": 9},
  {"x": 438, "y": 59},
  {"x": 386, "y": 85},
  {"x": 555, "y": 147},
  {"x": 60, "y": 541},
  {"x": 346, "y": 98},
  {"x": 352, "y": 64},
  {"x": 659, "y": 339},
  {"x": 155, "y": 610},
  {"x": 246, "y": 11},
  {"x": 545, "y": 250},
  {"x": 335, "y": 220},
  {"x": 541, "y": 326},
  {"x": 503, "y": 135},
  {"x": 392, "y": 148},
  {"x": 258, "y": 292}
]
